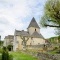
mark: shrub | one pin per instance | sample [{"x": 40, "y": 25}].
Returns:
[
  {"x": 0, "y": 57},
  {"x": 0, "y": 50},
  {"x": 5, "y": 54},
  {"x": 58, "y": 52},
  {"x": 55, "y": 48}
]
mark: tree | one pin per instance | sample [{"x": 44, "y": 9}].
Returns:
[
  {"x": 57, "y": 30},
  {"x": 5, "y": 54},
  {"x": 59, "y": 39},
  {"x": 51, "y": 15},
  {"x": 24, "y": 41},
  {"x": 1, "y": 43}
]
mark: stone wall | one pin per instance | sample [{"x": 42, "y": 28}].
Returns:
[{"x": 44, "y": 56}]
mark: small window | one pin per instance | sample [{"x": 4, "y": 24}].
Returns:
[{"x": 35, "y": 29}]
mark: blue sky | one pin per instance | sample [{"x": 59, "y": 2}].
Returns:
[{"x": 17, "y": 14}]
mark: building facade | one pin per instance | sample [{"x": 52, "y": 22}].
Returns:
[
  {"x": 8, "y": 40},
  {"x": 32, "y": 37}
]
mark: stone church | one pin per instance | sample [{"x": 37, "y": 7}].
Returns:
[{"x": 32, "y": 35}]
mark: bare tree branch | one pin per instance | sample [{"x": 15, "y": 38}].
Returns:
[
  {"x": 27, "y": 39},
  {"x": 52, "y": 26}
]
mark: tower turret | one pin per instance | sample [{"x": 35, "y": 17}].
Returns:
[{"x": 33, "y": 26}]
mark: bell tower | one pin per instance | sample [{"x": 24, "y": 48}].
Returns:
[{"x": 33, "y": 26}]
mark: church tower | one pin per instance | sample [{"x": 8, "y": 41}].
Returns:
[{"x": 33, "y": 26}]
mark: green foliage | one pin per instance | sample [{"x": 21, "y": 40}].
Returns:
[
  {"x": 59, "y": 39},
  {"x": 57, "y": 31},
  {"x": 10, "y": 57},
  {"x": 1, "y": 42},
  {"x": 9, "y": 47},
  {"x": 0, "y": 57},
  {"x": 55, "y": 48},
  {"x": 58, "y": 51},
  {"x": 1, "y": 50},
  {"x": 52, "y": 39},
  {"x": 51, "y": 12},
  {"x": 5, "y": 54}
]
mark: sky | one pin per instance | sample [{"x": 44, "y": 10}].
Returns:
[{"x": 17, "y": 14}]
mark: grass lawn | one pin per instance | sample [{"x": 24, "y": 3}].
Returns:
[{"x": 22, "y": 56}]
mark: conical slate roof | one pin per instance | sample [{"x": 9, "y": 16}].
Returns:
[{"x": 33, "y": 23}]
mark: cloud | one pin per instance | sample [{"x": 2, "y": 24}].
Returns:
[
  {"x": 3, "y": 21},
  {"x": 48, "y": 32},
  {"x": 17, "y": 14}
]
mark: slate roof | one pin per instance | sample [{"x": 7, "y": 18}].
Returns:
[
  {"x": 9, "y": 37},
  {"x": 25, "y": 33},
  {"x": 33, "y": 23},
  {"x": 37, "y": 35},
  {"x": 21, "y": 33}
]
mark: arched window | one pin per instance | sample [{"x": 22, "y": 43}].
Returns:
[{"x": 35, "y": 29}]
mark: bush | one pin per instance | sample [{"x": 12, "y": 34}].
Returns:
[
  {"x": 58, "y": 52},
  {"x": 0, "y": 57},
  {"x": 55, "y": 48},
  {"x": 1, "y": 50},
  {"x": 5, "y": 54}
]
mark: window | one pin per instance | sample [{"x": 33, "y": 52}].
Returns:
[{"x": 35, "y": 29}]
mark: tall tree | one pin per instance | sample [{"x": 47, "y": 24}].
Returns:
[{"x": 51, "y": 15}]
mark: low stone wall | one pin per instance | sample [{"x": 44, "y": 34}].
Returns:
[{"x": 44, "y": 56}]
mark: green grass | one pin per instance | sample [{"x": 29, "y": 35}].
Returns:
[{"x": 22, "y": 56}]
